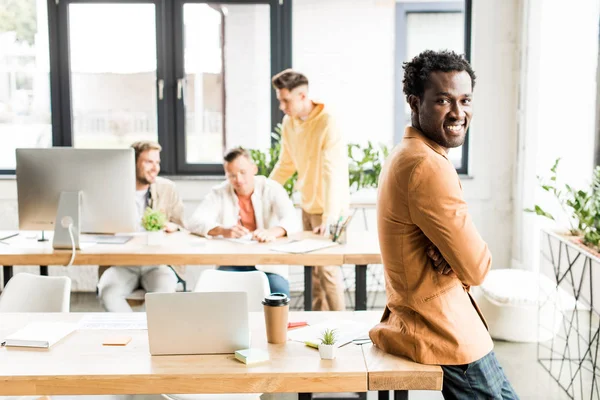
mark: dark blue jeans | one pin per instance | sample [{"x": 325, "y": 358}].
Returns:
[
  {"x": 277, "y": 283},
  {"x": 481, "y": 379}
]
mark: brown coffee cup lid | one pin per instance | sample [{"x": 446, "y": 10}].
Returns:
[{"x": 276, "y": 300}]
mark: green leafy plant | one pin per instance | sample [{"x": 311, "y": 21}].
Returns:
[
  {"x": 328, "y": 336},
  {"x": 581, "y": 206},
  {"x": 364, "y": 163},
  {"x": 153, "y": 220}
]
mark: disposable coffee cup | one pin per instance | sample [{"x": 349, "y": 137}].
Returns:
[{"x": 276, "y": 307}]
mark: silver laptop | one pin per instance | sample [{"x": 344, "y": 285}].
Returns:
[{"x": 197, "y": 322}]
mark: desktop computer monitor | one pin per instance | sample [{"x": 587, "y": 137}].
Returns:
[{"x": 95, "y": 189}]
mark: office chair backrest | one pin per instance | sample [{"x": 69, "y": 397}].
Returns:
[
  {"x": 254, "y": 283},
  {"x": 32, "y": 293}
]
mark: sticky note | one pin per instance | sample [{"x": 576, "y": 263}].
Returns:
[{"x": 116, "y": 341}]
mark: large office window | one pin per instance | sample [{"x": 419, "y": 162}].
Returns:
[
  {"x": 25, "y": 119},
  {"x": 192, "y": 74},
  {"x": 195, "y": 74},
  {"x": 223, "y": 91},
  {"x": 113, "y": 75},
  {"x": 430, "y": 26}
]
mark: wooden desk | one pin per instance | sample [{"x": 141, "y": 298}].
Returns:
[
  {"x": 181, "y": 248},
  {"x": 80, "y": 365}
]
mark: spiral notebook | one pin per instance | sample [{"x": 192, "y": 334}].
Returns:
[{"x": 40, "y": 334}]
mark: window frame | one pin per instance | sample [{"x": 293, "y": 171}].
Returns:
[
  {"x": 281, "y": 58},
  {"x": 402, "y": 11}
]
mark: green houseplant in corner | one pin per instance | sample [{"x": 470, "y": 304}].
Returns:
[
  {"x": 581, "y": 206},
  {"x": 327, "y": 346},
  {"x": 154, "y": 221}
]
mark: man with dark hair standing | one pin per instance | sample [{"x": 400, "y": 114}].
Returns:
[
  {"x": 431, "y": 250},
  {"x": 312, "y": 145}
]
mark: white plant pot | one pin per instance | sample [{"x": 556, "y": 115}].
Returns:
[
  {"x": 327, "y": 351},
  {"x": 156, "y": 238}
]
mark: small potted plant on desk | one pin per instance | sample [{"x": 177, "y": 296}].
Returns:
[
  {"x": 327, "y": 346},
  {"x": 154, "y": 222}
]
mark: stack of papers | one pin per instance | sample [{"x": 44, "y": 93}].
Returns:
[
  {"x": 345, "y": 330},
  {"x": 303, "y": 246},
  {"x": 40, "y": 334},
  {"x": 252, "y": 356}
]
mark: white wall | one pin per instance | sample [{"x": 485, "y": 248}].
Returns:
[{"x": 346, "y": 49}]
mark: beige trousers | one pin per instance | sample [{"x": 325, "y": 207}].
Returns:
[{"x": 328, "y": 292}]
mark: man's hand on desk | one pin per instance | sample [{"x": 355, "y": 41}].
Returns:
[
  {"x": 437, "y": 260},
  {"x": 268, "y": 235},
  {"x": 235, "y": 232},
  {"x": 320, "y": 230},
  {"x": 170, "y": 227}
]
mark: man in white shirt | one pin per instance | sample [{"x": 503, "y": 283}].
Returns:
[
  {"x": 247, "y": 206},
  {"x": 116, "y": 283}
]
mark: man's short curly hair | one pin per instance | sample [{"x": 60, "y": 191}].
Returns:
[{"x": 417, "y": 70}]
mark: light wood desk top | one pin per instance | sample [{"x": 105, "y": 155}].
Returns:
[
  {"x": 181, "y": 248},
  {"x": 79, "y": 364}
]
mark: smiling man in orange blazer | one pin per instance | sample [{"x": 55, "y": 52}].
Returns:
[{"x": 431, "y": 250}]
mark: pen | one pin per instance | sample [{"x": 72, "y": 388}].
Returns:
[
  {"x": 336, "y": 234},
  {"x": 312, "y": 344}
]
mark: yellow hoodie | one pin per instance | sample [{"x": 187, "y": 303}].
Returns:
[{"x": 315, "y": 149}]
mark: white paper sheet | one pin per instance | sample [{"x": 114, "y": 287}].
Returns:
[
  {"x": 114, "y": 321},
  {"x": 303, "y": 246}
]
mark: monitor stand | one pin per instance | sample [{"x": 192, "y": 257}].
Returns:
[
  {"x": 42, "y": 239},
  {"x": 68, "y": 212}
]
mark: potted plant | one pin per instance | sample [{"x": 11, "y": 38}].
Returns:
[
  {"x": 154, "y": 221},
  {"x": 581, "y": 206},
  {"x": 327, "y": 346}
]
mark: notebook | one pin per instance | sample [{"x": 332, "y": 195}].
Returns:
[
  {"x": 346, "y": 331},
  {"x": 40, "y": 334},
  {"x": 303, "y": 246}
]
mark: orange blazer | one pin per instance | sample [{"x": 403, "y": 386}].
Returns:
[{"x": 429, "y": 318}]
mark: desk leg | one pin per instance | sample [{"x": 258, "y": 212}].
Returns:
[
  {"x": 400, "y": 394},
  {"x": 361, "y": 287},
  {"x": 44, "y": 270},
  {"x": 304, "y": 396},
  {"x": 8, "y": 273},
  {"x": 308, "y": 289}
]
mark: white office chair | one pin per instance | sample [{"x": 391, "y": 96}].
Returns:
[
  {"x": 256, "y": 285},
  {"x": 33, "y": 293}
]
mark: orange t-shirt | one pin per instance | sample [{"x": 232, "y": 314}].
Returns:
[{"x": 247, "y": 218}]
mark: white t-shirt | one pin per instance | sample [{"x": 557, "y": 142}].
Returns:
[{"x": 140, "y": 202}]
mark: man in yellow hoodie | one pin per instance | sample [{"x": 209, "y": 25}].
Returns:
[{"x": 312, "y": 145}]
